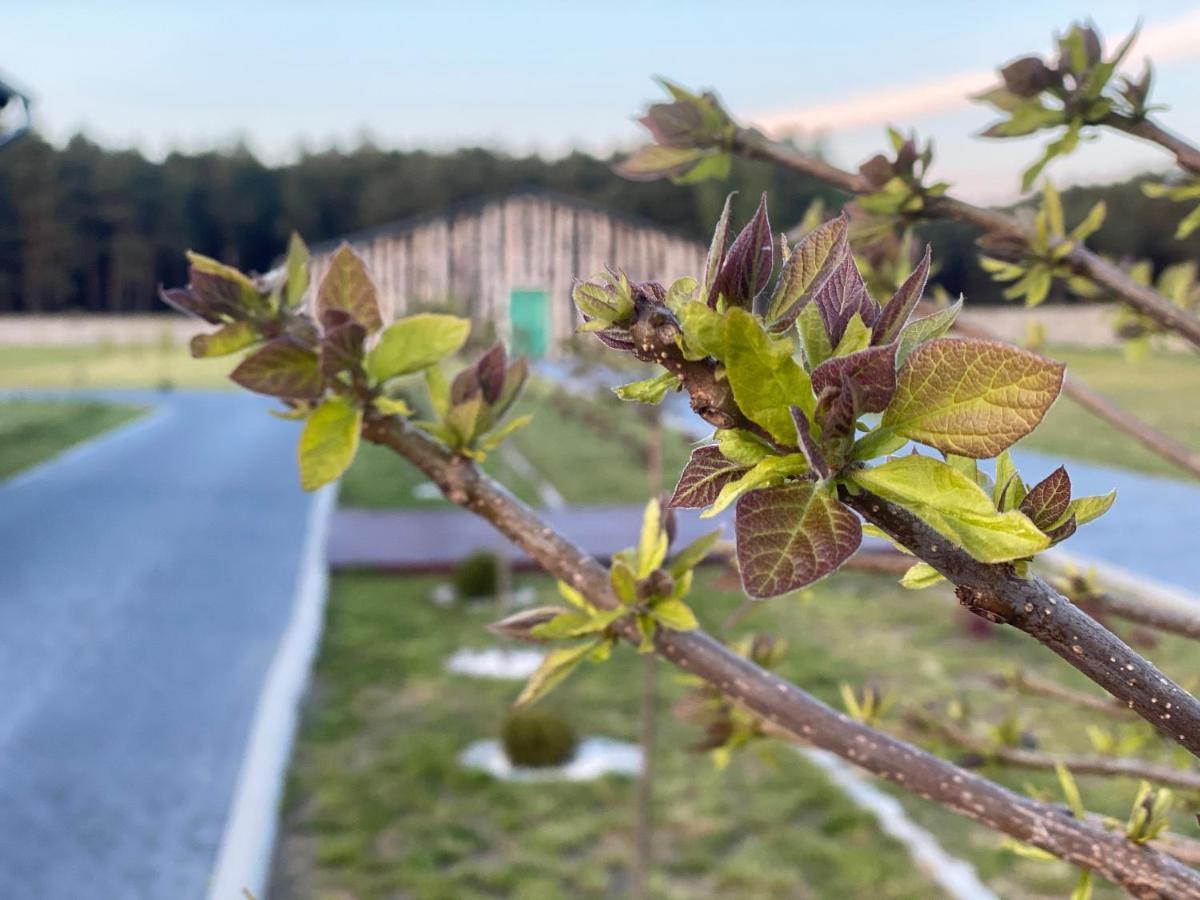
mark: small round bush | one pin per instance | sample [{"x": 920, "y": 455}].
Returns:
[
  {"x": 537, "y": 738},
  {"x": 476, "y": 576}
]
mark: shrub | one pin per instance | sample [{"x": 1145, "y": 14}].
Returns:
[
  {"x": 536, "y": 738},
  {"x": 477, "y": 576}
]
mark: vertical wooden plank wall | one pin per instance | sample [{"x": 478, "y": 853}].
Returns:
[{"x": 468, "y": 261}]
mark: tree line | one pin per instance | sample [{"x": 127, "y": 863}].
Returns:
[{"x": 84, "y": 228}]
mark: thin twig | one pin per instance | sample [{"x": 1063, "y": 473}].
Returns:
[
  {"x": 754, "y": 145},
  {"x": 1026, "y": 683},
  {"x": 1121, "y": 767},
  {"x": 1186, "y": 155}
]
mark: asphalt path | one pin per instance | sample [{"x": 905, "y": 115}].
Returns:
[{"x": 146, "y": 578}]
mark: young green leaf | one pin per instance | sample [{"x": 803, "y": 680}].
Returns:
[
  {"x": 297, "y": 271},
  {"x": 766, "y": 381},
  {"x": 556, "y": 666},
  {"x": 347, "y": 286},
  {"x": 220, "y": 288},
  {"x": 716, "y": 255},
  {"x": 814, "y": 341},
  {"x": 651, "y": 390},
  {"x": 653, "y": 542},
  {"x": 328, "y": 442},
  {"x": 1085, "y": 509},
  {"x": 707, "y": 472},
  {"x": 790, "y": 536},
  {"x": 919, "y": 576},
  {"x": 770, "y": 470},
  {"x": 674, "y": 614},
  {"x": 970, "y": 397},
  {"x": 808, "y": 267},
  {"x": 281, "y": 368},
  {"x": 703, "y": 330},
  {"x": 925, "y": 329},
  {"x": 225, "y": 340},
  {"x": 742, "y": 447},
  {"x": 954, "y": 506},
  {"x": 693, "y": 554},
  {"x": 415, "y": 343}
]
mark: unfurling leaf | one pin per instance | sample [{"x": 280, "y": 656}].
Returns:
[
  {"x": 225, "y": 340},
  {"x": 970, "y": 397},
  {"x": 1046, "y": 502},
  {"x": 897, "y": 311},
  {"x": 925, "y": 329},
  {"x": 651, "y": 390},
  {"x": 674, "y": 614},
  {"x": 1085, "y": 509},
  {"x": 693, "y": 554},
  {"x": 805, "y": 271},
  {"x": 556, "y": 666},
  {"x": 328, "y": 442},
  {"x": 790, "y": 536},
  {"x": 766, "y": 381},
  {"x": 281, "y": 368},
  {"x": 747, "y": 266},
  {"x": 742, "y": 447},
  {"x": 220, "y": 289},
  {"x": 770, "y": 470},
  {"x": 872, "y": 372},
  {"x": 341, "y": 347},
  {"x": 843, "y": 294},
  {"x": 297, "y": 271},
  {"x": 716, "y": 255},
  {"x": 954, "y": 506},
  {"x": 415, "y": 343},
  {"x": 702, "y": 479},
  {"x": 655, "y": 161},
  {"x": 347, "y": 286}
]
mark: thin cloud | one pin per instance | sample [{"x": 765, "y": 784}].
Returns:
[{"x": 1178, "y": 39}]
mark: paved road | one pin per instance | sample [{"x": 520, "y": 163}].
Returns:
[{"x": 144, "y": 584}]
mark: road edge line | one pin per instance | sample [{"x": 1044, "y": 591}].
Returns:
[{"x": 247, "y": 845}]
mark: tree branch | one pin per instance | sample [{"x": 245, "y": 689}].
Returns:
[
  {"x": 1025, "y": 683},
  {"x": 1186, "y": 155},
  {"x": 1142, "y": 871},
  {"x": 998, "y": 594},
  {"x": 1111, "y": 766},
  {"x": 754, "y": 145}
]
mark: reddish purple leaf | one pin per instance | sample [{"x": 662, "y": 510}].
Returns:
[
  {"x": 1047, "y": 500},
  {"x": 491, "y": 372},
  {"x": 281, "y": 368},
  {"x": 716, "y": 252},
  {"x": 1063, "y": 531},
  {"x": 747, "y": 266},
  {"x": 790, "y": 536},
  {"x": 872, "y": 372},
  {"x": 808, "y": 445},
  {"x": 703, "y": 477},
  {"x": 843, "y": 294},
  {"x": 837, "y": 410},
  {"x": 189, "y": 303},
  {"x": 342, "y": 347},
  {"x": 347, "y": 286},
  {"x": 896, "y": 312}
]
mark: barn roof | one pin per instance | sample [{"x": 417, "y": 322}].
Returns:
[{"x": 474, "y": 204}]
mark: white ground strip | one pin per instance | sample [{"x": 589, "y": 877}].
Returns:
[
  {"x": 496, "y": 662},
  {"x": 956, "y": 877},
  {"x": 594, "y": 758},
  {"x": 244, "y": 857}
]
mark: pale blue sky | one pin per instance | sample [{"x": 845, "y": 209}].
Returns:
[{"x": 529, "y": 75}]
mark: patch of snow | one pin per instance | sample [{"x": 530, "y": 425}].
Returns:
[
  {"x": 445, "y": 595},
  {"x": 594, "y": 758},
  {"x": 496, "y": 662}
]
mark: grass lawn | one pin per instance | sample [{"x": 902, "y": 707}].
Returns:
[
  {"x": 378, "y": 808},
  {"x": 587, "y": 466},
  {"x": 110, "y": 366},
  {"x": 1159, "y": 390},
  {"x": 31, "y": 432}
]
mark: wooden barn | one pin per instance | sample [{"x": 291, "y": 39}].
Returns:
[{"x": 511, "y": 261}]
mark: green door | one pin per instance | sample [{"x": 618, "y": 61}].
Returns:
[{"x": 529, "y": 314}]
